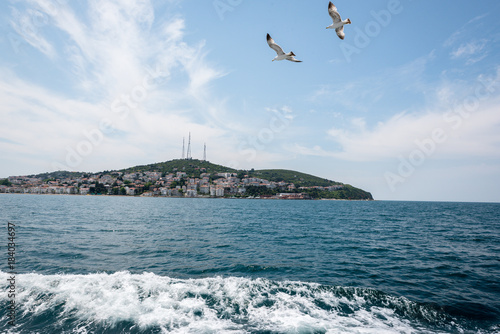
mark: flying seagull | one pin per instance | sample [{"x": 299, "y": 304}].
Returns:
[
  {"x": 338, "y": 24},
  {"x": 281, "y": 55}
]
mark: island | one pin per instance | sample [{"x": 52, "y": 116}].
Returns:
[{"x": 186, "y": 178}]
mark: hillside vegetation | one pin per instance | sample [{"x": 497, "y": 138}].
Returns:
[
  {"x": 194, "y": 168},
  {"x": 291, "y": 176},
  {"x": 191, "y": 167}
]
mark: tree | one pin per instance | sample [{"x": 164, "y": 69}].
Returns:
[
  {"x": 98, "y": 189},
  {"x": 258, "y": 191},
  {"x": 5, "y": 182},
  {"x": 212, "y": 178}
]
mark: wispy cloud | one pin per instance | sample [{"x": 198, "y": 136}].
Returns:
[
  {"x": 362, "y": 95},
  {"x": 472, "y": 51},
  {"x": 120, "y": 57},
  {"x": 470, "y": 125},
  {"x": 23, "y": 24},
  {"x": 465, "y": 30},
  {"x": 468, "y": 49}
]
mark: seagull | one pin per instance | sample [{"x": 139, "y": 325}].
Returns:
[
  {"x": 281, "y": 55},
  {"x": 338, "y": 24}
]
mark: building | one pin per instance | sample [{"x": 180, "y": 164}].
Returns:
[
  {"x": 205, "y": 189},
  {"x": 191, "y": 193},
  {"x": 129, "y": 191}
]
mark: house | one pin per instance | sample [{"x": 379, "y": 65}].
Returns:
[
  {"x": 219, "y": 192},
  {"x": 205, "y": 189},
  {"x": 292, "y": 196},
  {"x": 129, "y": 191},
  {"x": 191, "y": 193}
]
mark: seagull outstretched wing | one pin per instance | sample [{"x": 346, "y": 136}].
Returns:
[{"x": 272, "y": 44}]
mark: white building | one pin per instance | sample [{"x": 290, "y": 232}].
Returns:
[{"x": 191, "y": 193}]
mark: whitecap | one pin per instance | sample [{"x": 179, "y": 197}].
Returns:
[{"x": 141, "y": 302}]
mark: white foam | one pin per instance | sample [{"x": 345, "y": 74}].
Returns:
[{"x": 208, "y": 305}]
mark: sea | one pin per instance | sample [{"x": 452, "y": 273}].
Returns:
[{"x": 104, "y": 264}]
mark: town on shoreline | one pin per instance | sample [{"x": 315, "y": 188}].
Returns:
[
  {"x": 157, "y": 184},
  {"x": 189, "y": 178}
]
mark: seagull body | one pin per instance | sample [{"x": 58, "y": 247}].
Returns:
[
  {"x": 338, "y": 24},
  {"x": 281, "y": 54}
]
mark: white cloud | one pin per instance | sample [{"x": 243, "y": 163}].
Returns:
[
  {"x": 475, "y": 49},
  {"x": 27, "y": 26},
  {"x": 362, "y": 95},
  {"x": 472, "y": 51},
  {"x": 469, "y": 128},
  {"x": 136, "y": 72},
  {"x": 466, "y": 29},
  {"x": 469, "y": 49}
]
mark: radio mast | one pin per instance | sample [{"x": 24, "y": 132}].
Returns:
[
  {"x": 188, "y": 154},
  {"x": 204, "y": 151},
  {"x": 183, "y": 147}
]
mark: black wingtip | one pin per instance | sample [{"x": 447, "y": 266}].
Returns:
[{"x": 268, "y": 36}]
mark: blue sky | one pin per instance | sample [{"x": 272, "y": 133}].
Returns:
[{"x": 406, "y": 107}]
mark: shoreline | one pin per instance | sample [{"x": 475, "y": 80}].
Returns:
[{"x": 197, "y": 197}]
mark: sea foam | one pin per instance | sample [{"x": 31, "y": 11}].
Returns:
[{"x": 125, "y": 302}]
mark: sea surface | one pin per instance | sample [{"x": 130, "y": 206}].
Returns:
[{"x": 96, "y": 264}]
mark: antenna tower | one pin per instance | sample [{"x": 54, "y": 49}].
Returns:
[
  {"x": 183, "y": 147},
  {"x": 204, "y": 151},
  {"x": 188, "y": 154}
]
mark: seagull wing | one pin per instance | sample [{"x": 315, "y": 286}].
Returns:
[
  {"x": 340, "y": 32},
  {"x": 274, "y": 46},
  {"x": 293, "y": 59},
  {"x": 332, "y": 10}
]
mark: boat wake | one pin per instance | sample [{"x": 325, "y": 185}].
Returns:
[{"x": 148, "y": 303}]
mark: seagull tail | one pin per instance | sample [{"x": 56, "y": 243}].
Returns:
[{"x": 348, "y": 21}]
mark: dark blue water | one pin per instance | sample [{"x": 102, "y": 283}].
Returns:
[{"x": 89, "y": 264}]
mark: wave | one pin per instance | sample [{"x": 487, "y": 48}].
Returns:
[{"x": 122, "y": 302}]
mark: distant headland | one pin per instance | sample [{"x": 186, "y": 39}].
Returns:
[{"x": 186, "y": 178}]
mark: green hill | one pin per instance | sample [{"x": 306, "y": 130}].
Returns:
[
  {"x": 189, "y": 166},
  {"x": 62, "y": 174},
  {"x": 291, "y": 176},
  {"x": 194, "y": 167}
]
